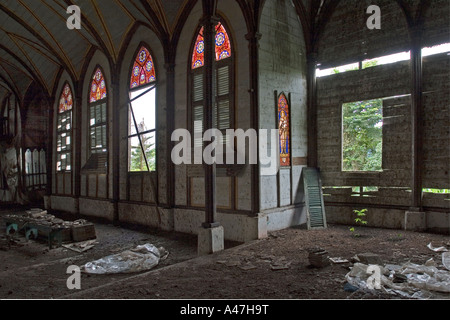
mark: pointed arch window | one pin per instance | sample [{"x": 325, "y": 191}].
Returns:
[
  {"x": 98, "y": 114},
  {"x": 284, "y": 130},
  {"x": 224, "y": 73},
  {"x": 64, "y": 130},
  {"x": 223, "y": 47},
  {"x": 142, "y": 113}
]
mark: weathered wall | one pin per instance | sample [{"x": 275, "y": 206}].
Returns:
[
  {"x": 282, "y": 68},
  {"x": 371, "y": 83},
  {"x": 346, "y": 39},
  {"x": 97, "y": 185},
  {"x": 143, "y": 187},
  {"x": 234, "y": 192},
  {"x": 436, "y": 122}
]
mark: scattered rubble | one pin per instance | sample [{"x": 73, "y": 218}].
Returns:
[
  {"x": 369, "y": 258},
  {"x": 416, "y": 281},
  {"x": 338, "y": 260},
  {"x": 81, "y": 246},
  {"x": 318, "y": 257},
  {"x": 446, "y": 260},
  {"x": 71, "y": 231},
  {"x": 439, "y": 249}
]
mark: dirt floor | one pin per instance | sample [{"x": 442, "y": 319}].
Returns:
[{"x": 277, "y": 267}]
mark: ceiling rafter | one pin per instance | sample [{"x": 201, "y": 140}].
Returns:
[
  {"x": 39, "y": 37},
  {"x": 62, "y": 17},
  {"x": 112, "y": 48},
  {"x": 23, "y": 64},
  {"x": 3, "y": 61},
  {"x": 35, "y": 45},
  {"x": 13, "y": 84},
  {"x": 87, "y": 25},
  {"x": 322, "y": 11},
  {"x": 183, "y": 14},
  {"x": 65, "y": 58},
  {"x": 36, "y": 69},
  {"x": 162, "y": 16},
  {"x": 154, "y": 20}
]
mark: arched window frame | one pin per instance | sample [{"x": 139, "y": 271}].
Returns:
[
  {"x": 225, "y": 88},
  {"x": 149, "y": 85},
  {"x": 64, "y": 129},
  {"x": 284, "y": 127},
  {"x": 98, "y": 115}
]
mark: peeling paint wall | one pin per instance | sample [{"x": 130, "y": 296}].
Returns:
[
  {"x": 282, "y": 68},
  {"x": 346, "y": 39}
]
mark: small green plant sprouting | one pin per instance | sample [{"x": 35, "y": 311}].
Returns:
[{"x": 360, "y": 219}]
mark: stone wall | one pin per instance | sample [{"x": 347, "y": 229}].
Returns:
[{"x": 282, "y": 69}]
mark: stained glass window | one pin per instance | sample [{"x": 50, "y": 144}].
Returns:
[
  {"x": 223, "y": 47},
  {"x": 143, "y": 71},
  {"x": 66, "y": 101},
  {"x": 224, "y": 74},
  {"x": 98, "y": 87},
  {"x": 284, "y": 127},
  {"x": 142, "y": 114},
  {"x": 64, "y": 130},
  {"x": 98, "y": 114}
]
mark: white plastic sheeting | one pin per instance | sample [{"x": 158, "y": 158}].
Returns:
[{"x": 142, "y": 258}]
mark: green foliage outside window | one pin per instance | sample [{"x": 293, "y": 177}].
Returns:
[
  {"x": 137, "y": 162},
  {"x": 363, "y": 135}
]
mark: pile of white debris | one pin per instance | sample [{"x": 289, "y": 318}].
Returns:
[{"x": 430, "y": 280}]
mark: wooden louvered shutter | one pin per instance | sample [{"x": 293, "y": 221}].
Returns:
[
  {"x": 222, "y": 119},
  {"x": 197, "y": 107},
  {"x": 316, "y": 218},
  {"x": 223, "y": 106}
]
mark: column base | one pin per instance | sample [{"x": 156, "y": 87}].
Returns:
[
  {"x": 415, "y": 221},
  {"x": 210, "y": 240}
]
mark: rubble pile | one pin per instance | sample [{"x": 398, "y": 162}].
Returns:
[
  {"x": 78, "y": 230},
  {"x": 410, "y": 280}
]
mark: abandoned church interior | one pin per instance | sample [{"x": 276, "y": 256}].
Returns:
[{"x": 358, "y": 91}]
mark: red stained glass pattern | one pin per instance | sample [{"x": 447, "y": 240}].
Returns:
[
  {"x": 143, "y": 71},
  {"x": 223, "y": 44},
  {"x": 98, "y": 87},
  {"x": 284, "y": 127},
  {"x": 66, "y": 100},
  {"x": 223, "y": 47}
]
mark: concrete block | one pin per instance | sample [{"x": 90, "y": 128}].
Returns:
[
  {"x": 415, "y": 221},
  {"x": 47, "y": 203},
  {"x": 210, "y": 240},
  {"x": 167, "y": 219},
  {"x": 370, "y": 258}
]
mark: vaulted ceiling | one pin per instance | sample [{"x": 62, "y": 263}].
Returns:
[{"x": 35, "y": 44}]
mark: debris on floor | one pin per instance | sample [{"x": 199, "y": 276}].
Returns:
[
  {"x": 408, "y": 280},
  {"x": 369, "y": 258},
  {"x": 446, "y": 260},
  {"x": 439, "y": 249},
  {"x": 318, "y": 257},
  {"x": 81, "y": 246},
  {"x": 338, "y": 260},
  {"x": 69, "y": 231},
  {"x": 141, "y": 258}
]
